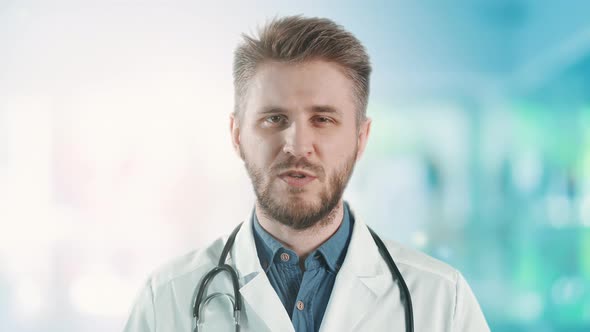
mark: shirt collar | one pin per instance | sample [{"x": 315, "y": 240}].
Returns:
[
  {"x": 266, "y": 245},
  {"x": 333, "y": 250}
]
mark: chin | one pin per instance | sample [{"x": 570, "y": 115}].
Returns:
[
  {"x": 297, "y": 201},
  {"x": 299, "y": 195}
]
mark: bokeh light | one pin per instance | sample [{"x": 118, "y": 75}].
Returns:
[{"x": 115, "y": 153}]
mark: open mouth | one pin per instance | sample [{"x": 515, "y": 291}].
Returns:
[
  {"x": 297, "y": 178},
  {"x": 296, "y": 175}
]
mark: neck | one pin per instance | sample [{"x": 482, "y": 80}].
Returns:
[{"x": 302, "y": 242}]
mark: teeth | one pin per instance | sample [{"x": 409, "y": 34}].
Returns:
[{"x": 300, "y": 176}]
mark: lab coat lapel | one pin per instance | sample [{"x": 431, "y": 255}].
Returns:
[
  {"x": 359, "y": 282},
  {"x": 258, "y": 294}
]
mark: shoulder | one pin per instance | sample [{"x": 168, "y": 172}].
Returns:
[
  {"x": 187, "y": 266},
  {"x": 421, "y": 264},
  {"x": 169, "y": 290},
  {"x": 439, "y": 289}
]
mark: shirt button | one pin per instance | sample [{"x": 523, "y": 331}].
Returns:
[
  {"x": 300, "y": 305},
  {"x": 285, "y": 257}
]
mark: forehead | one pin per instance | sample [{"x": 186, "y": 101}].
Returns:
[{"x": 304, "y": 85}]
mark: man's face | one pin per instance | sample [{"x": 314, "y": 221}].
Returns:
[{"x": 298, "y": 137}]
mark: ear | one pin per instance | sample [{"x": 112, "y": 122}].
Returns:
[
  {"x": 363, "y": 137},
  {"x": 234, "y": 128}
]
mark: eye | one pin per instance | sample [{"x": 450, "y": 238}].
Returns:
[
  {"x": 323, "y": 120},
  {"x": 275, "y": 119}
]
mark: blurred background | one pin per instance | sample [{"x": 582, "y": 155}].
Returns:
[{"x": 115, "y": 153}]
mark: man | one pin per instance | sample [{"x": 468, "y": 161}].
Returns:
[{"x": 303, "y": 260}]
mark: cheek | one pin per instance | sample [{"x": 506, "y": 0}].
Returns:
[
  {"x": 335, "y": 150},
  {"x": 261, "y": 150}
]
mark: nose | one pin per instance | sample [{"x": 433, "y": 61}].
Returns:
[{"x": 298, "y": 140}]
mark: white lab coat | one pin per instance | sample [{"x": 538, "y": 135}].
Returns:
[{"x": 364, "y": 297}]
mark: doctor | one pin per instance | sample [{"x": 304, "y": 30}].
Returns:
[{"x": 303, "y": 260}]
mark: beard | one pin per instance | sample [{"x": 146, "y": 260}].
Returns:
[{"x": 292, "y": 210}]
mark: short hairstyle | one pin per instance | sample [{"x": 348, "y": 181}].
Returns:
[{"x": 298, "y": 39}]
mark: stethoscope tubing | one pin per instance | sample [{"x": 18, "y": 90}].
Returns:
[{"x": 237, "y": 303}]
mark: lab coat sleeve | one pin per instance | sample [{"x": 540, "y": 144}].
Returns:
[
  {"x": 142, "y": 317},
  {"x": 468, "y": 316}
]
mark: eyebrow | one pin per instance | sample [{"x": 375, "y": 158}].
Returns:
[
  {"x": 324, "y": 109},
  {"x": 314, "y": 109},
  {"x": 272, "y": 109}
]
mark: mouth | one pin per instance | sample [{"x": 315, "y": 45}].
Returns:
[{"x": 297, "y": 178}]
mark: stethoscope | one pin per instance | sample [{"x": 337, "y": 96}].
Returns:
[{"x": 236, "y": 300}]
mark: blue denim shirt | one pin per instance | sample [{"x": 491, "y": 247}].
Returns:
[{"x": 304, "y": 294}]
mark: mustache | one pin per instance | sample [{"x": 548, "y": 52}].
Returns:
[{"x": 301, "y": 163}]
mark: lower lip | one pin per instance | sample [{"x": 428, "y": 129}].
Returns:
[{"x": 297, "y": 182}]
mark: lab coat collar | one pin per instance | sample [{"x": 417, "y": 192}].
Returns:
[
  {"x": 244, "y": 251},
  {"x": 257, "y": 291},
  {"x": 359, "y": 283},
  {"x": 362, "y": 258},
  {"x": 362, "y": 279}
]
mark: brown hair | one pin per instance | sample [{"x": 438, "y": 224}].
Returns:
[{"x": 298, "y": 39}]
